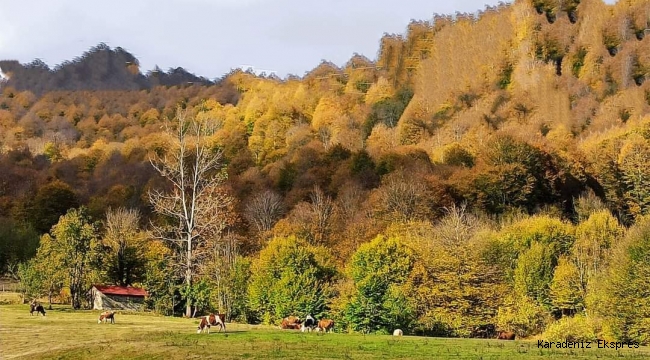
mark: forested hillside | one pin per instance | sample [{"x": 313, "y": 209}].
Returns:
[
  {"x": 490, "y": 169},
  {"x": 100, "y": 68}
]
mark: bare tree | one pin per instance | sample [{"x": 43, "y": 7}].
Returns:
[
  {"x": 322, "y": 209},
  {"x": 404, "y": 197},
  {"x": 349, "y": 201},
  {"x": 264, "y": 210},
  {"x": 325, "y": 135},
  {"x": 458, "y": 226},
  {"x": 195, "y": 204}
]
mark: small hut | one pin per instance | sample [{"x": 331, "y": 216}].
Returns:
[{"x": 111, "y": 297}]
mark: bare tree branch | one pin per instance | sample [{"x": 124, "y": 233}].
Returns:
[
  {"x": 264, "y": 210},
  {"x": 195, "y": 202},
  {"x": 322, "y": 209}
]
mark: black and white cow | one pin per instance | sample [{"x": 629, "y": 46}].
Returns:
[
  {"x": 36, "y": 307},
  {"x": 309, "y": 324}
]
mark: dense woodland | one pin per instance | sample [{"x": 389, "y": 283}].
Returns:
[{"x": 490, "y": 169}]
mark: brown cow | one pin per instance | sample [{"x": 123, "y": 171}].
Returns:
[
  {"x": 326, "y": 325},
  {"x": 107, "y": 316},
  {"x": 506, "y": 335},
  {"x": 290, "y": 322},
  {"x": 212, "y": 320}
]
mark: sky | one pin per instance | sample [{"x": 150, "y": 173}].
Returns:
[{"x": 211, "y": 37}]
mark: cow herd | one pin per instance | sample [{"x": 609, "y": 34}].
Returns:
[
  {"x": 290, "y": 322},
  {"x": 309, "y": 324}
]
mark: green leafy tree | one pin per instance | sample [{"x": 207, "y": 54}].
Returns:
[
  {"x": 515, "y": 239},
  {"x": 387, "y": 111},
  {"x": 198, "y": 295},
  {"x": 565, "y": 290},
  {"x": 379, "y": 270},
  {"x": 290, "y": 277},
  {"x": 502, "y": 187},
  {"x": 628, "y": 286},
  {"x": 31, "y": 282},
  {"x": 48, "y": 263},
  {"x": 236, "y": 283},
  {"x": 534, "y": 272},
  {"x": 75, "y": 236},
  {"x": 43, "y": 275},
  {"x": 51, "y": 201},
  {"x": 519, "y": 175},
  {"x": 594, "y": 239},
  {"x": 160, "y": 278}
]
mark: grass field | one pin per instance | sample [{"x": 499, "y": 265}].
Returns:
[
  {"x": 67, "y": 334},
  {"x": 7, "y": 298}
]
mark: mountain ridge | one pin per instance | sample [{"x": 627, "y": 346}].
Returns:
[{"x": 99, "y": 68}]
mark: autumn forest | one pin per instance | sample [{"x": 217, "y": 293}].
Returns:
[{"x": 489, "y": 169}]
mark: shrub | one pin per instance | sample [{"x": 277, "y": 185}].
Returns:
[
  {"x": 523, "y": 316},
  {"x": 456, "y": 155},
  {"x": 578, "y": 328}
]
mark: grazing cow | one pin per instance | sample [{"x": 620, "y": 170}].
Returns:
[
  {"x": 34, "y": 306},
  {"x": 290, "y": 322},
  {"x": 506, "y": 335},
  {"x": 398, "y": 332},
  {"x": 325, "y": 325},
  {"x": 212, "y": 320},
  {"x": 309, "y": 324},
  {"x": 107, "y": 316}
]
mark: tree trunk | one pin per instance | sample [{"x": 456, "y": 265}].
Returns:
[
  {"x": 49, "y": 299},
  {"x": 188, "y": 304},
  {"x": 76, "y": 304},
  {"x": 173, "y": 305},
  {"x": 188, "y": 276}
]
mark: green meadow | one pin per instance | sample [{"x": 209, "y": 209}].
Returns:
[{"x": 67, "y": 334}]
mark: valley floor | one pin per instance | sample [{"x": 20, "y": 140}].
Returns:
[{"x": 67, "y": 334}]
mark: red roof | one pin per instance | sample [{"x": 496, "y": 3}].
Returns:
[{"x": 121, "y": 290}]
